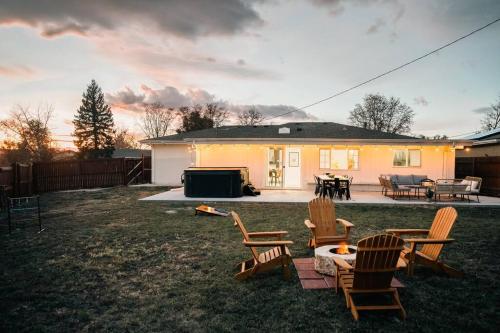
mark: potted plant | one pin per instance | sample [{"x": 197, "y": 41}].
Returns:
[{"x": 429, "y": 193}]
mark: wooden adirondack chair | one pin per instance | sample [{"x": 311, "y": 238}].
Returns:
[
  {"x": 373, "y": 272},
  {"x": 323, "y": 224},
  {"x": 437, "y": 237},
  {"x": 278, "y": 255}
]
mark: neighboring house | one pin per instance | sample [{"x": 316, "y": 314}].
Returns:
[
  {"x": 130, "y": 152},
  {"x": 288, "y": 155},
  {"x": 484, "y": 144}
]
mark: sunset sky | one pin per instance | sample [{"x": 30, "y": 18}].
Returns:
[{"x": 276, "y": 54}]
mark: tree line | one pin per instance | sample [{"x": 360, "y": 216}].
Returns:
[{"x": 29, "y": 138}]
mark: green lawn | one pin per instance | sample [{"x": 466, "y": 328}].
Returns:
[{"x": 109, "y": 262}]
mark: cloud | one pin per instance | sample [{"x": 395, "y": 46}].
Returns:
[
  {"x": 482, "y": 110},
  {"x": 19, "y": 71},
  {"x": 51, "y": 30},
  {"x": 128, "y": 100},
  {"x": 154, "y": 38},
  {"x": 421, "y": 100},
  {"x": 271, "y": 111},
  {"x": 337, "y": 7},
  {"x": 183, "y": 18},
  {"x": 375, "y": 27},
  {"x": 163, "y": 62}
]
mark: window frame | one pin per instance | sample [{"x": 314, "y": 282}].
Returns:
[
  {"x": 407, "y": 158},
  {"x": 330, "y": 159}
]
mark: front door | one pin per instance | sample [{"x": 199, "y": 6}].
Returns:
[{"x": 292, "y": 167}]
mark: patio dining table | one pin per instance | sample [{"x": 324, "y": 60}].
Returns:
[{"x": 326, "y": 179}]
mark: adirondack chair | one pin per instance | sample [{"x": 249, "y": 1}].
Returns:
[
  {"x": 373, "y": 272},
  {"x": 437, "y": 237},
  {"x": 322, "y": 223},
  {"x": 278, "y": 255}
]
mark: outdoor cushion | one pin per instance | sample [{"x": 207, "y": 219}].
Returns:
[
  {"x": 474, "y": 186},
  {"x": 471, "y": 185},
  {"x": 405, "y": 180},
  {"x": 394, "y": 179},
  {"x": 468, "y": 183},
  {"x": 417, "y": 179}
]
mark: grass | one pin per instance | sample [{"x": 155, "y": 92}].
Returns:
[{"x": 108, "y": 262}]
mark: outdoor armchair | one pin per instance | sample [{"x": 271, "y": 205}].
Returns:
[
  {"x": 278, "y": 255},
  {"x": 431, "y": 245},
  {"x": 372, "y": 274},
  {"x": 323, "y": 222}
]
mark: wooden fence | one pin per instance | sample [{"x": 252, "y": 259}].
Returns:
[
  {"x": 488, "y": 168},
  {"x": 17, "y": 180},
  {"x": 20, "y": 180}
]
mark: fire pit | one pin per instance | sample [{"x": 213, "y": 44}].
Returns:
[{"x": 324, "y": 255}]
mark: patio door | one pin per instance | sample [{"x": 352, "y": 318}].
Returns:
[
  {"x": 275, "y": 167},
  {"x": 292, "y": 167}
]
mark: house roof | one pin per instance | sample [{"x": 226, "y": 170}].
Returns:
[
  {"x": 493, "y": 134},
  {"x": 130, "y": 152},
  {"x": 306, "y": 131}
]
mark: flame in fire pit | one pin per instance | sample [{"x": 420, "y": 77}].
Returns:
[{"x": 342, "y": 249}]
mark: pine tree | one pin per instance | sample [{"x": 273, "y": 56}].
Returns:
[{"x": 94, "y": 125}]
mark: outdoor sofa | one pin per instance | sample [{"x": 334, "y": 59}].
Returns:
[
  {"x": 454, "y": 187},
  {"x": 400, "y": 185}
]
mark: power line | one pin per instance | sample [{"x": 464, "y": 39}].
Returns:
[
  {"x": 385, "y": 73},
  {"x": 463, "y": 134}
]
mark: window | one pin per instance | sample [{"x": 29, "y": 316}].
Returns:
[
  {"x": 353, "y": 159},
  {"x": 339, "y": 159},
  {"x": 324, "y": 158},
  {"x": 406, "y": 158}
]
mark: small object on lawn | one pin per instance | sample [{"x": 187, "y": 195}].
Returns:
[{"x": 204, "y": 209}]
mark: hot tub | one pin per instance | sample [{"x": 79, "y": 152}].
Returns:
[{"x": 215, "y": 182}]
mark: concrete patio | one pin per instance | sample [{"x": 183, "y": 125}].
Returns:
[{"x": 359, "y": 196}]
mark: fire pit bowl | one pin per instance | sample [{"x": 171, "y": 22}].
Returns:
[{"x": 323, "y": 257}]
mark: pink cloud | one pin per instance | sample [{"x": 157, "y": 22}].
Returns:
[{"x": 17, "y": 71}]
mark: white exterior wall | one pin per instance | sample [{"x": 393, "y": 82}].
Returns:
[{"x": 168, "y": 163}]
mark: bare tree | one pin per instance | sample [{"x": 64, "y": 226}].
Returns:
[
  {"x": 125, "y": 139},
  {"x": 491, "y": 119},
  {"x": 217, "y": 113},
  {"x": 383, "y": 114},
  {"x": 250, "y": 117},
  {"x": 157, "y": 120},
  {"x": 30, "y": 133}
]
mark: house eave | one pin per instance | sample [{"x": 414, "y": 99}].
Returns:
[
  {"x": 486, "y": 142},
  {"x": 315, "y": 141}
]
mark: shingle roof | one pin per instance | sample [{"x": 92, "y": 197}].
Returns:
[
  {"x": 493, "y": 134},
  {"x": 309, "y": 130}
]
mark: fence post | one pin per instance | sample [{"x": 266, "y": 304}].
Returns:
[
  {"x": 142, "y": 171},
  {"x": 15, "y": 177},
  {"x": 34, "y": 178},
  {"x": 124, "y": 170}
]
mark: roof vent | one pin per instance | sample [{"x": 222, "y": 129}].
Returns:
[{"x": 284, "y": 130}]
